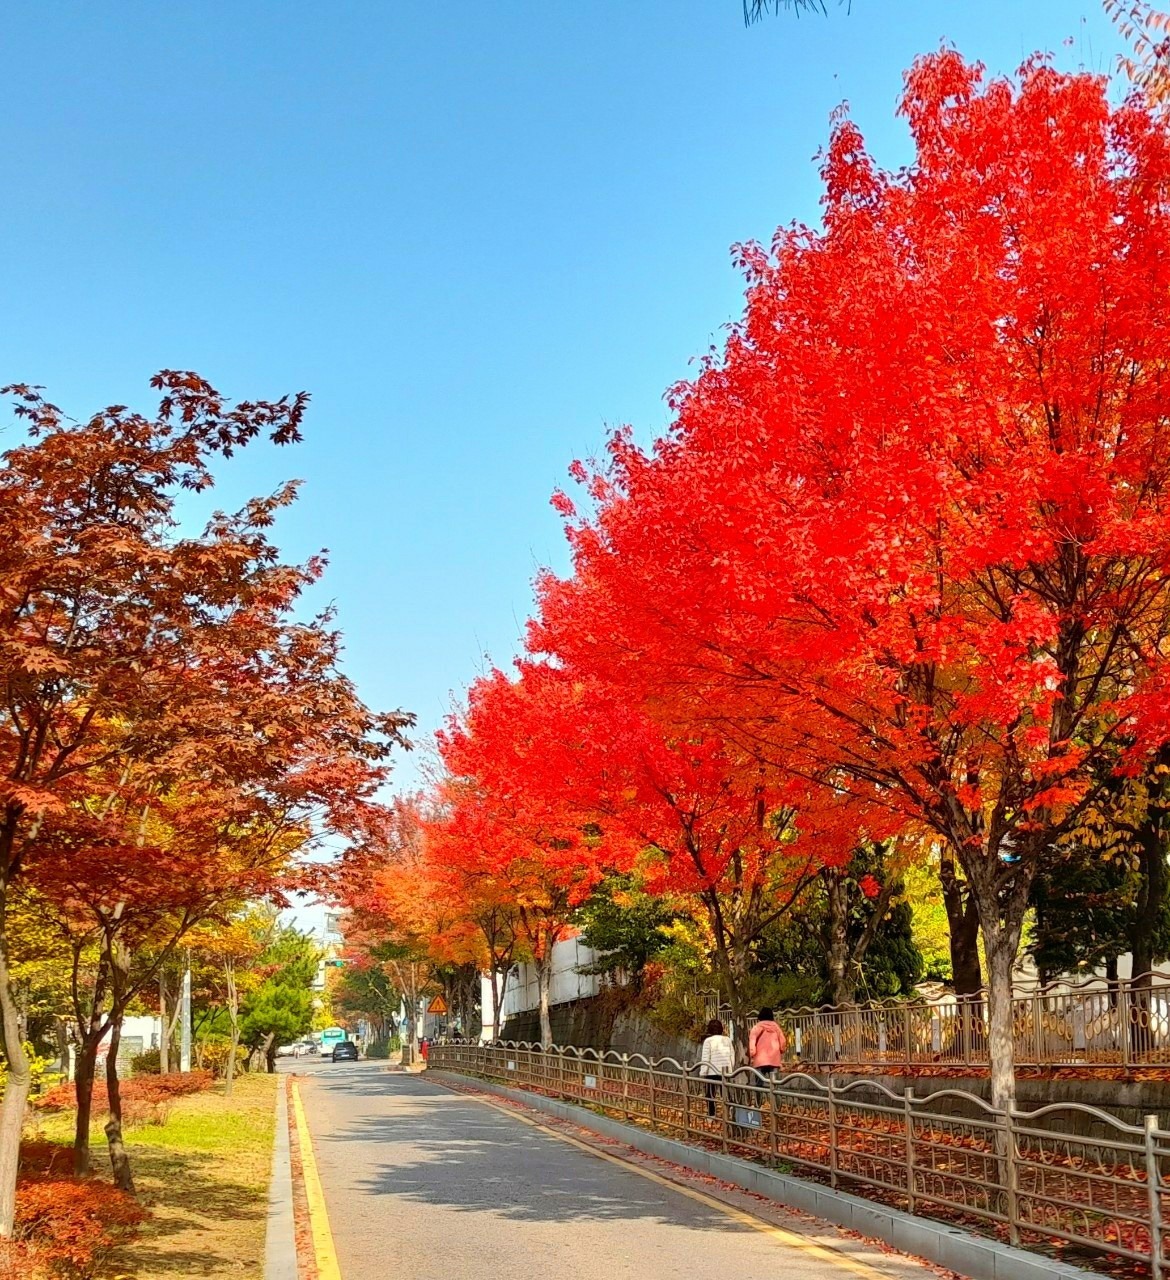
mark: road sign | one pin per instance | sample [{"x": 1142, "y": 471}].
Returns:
[{"x": 437, "y": 1005}]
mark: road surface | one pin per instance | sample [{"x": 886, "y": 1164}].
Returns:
[{"x": 426, "y": 1184}]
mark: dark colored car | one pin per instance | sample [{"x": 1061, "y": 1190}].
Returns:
[{"x": 345, "y": 1051}]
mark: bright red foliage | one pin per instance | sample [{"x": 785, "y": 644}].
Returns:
[
  {"x": 909, "y": 537},
  {"x": 508, "y": 822}
]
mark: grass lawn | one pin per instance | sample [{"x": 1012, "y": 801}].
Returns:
[{"x": 204, "y": 1177}]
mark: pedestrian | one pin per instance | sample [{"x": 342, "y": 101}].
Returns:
[
  {"x": 767, "y": 1043},
  {"x": 715, "y": 1061}
]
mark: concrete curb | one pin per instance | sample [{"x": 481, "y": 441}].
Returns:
[
  {"x": 280, "y": 1241},
  {"x": 969, "y": 1255}
]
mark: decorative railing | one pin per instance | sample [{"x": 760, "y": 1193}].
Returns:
[
  {"x": 1063, "y": 1178},
  {"x": 1095, "y": 1025}
]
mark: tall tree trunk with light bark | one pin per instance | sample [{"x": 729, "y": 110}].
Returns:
[
  {"x": 233, "y": 1007},
  {"x": 164, "y": 1027},
  {"x": 16, "y": 1088},
  {"x": 544, "y": 969}
]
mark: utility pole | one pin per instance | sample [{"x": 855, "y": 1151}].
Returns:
[{"x": 185, "y": 1019}]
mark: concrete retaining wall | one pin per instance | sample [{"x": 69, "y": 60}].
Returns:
[{"x": 592, "y": 1024}]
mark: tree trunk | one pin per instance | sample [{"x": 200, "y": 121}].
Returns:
[
  {"x": 467, "y": 1017},
  {"x": 270, "y": 1053},
  {"x": 16, "y": 1089},
  {"x": 1154, "y": 872},
  {"x": 1001, "y": 1041},
  {"x": 963, "y": 926},
  {"x": 1002, "y": 902},
  {"x": 83, "y": 1084},
  {"x": 499, "y": 990},
  {"x": 164, "y": 1027},
  {"x": 837, "y": 950},
  {"x": 119, "y": 1159},
  {"x": 229, "y": 1073},
  {"x": 64, "y": 1049},
  {"x": 544, "y": 970},
  {"x": 497, "y": 1001},
  {"x": 233, "y": 995}
]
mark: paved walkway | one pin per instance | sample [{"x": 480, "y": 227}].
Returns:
[{"x": 427, "y": 1184}]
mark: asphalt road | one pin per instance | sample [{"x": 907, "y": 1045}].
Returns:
[{"x": 426, "y": 1184}]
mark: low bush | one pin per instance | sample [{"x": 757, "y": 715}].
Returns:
[
  {"x": 213, "y": 1057},
  {"x": 147, "y": 1063},
  {"x": 145, "y": 1099},
  {"x": 65, "y": 1226}
]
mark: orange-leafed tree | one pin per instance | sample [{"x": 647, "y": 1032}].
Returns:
[
  {"x": 909, "y": 537},
  {"x": 459, "y": 841},
  {"x": 130, "y": 651},
  {"x": 694, "y": 817},
  {"x": 512, "y": 821},
  {"x": 401, "y": 915}
]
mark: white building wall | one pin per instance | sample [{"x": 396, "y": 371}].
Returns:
[{"x": 523, "y": 993}]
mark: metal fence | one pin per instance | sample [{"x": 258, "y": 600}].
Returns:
[
  {"x": 1096, "y": 1025},
  {"x": 1067, "y": 1177}
]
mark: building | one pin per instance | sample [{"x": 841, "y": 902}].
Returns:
[{"x": 522, "y": 993}]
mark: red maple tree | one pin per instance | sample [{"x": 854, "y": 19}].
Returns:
[
  {"x": 139, "y": 665},
  {"x": 508, "y": 820},
  {"x": 909, "y": 536}
]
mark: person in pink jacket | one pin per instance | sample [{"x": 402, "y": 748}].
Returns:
[{"x": 766, "y": 1044}]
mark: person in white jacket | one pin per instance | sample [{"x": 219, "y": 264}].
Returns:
[{"x": 716, "y": 1061}]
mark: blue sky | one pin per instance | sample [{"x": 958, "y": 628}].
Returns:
[{"x": 478, "y": 234}]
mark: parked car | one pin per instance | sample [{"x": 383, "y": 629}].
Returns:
[
  {"x": 305, "y": 1048},
  {"x": 345, "y": 1051},
  {"x": 286, "y": 1051}
]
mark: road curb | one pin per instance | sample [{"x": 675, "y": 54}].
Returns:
[
  {"x": 280, "y": 1243},
  {"x": 960, "y": 1251},
  {"x": 324, "y": 1252}
]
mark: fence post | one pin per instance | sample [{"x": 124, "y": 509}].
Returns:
[
  {"x": 1037, "y": 1030},
  {"x": 773, "y": 1139},
  {"x": 626, "y": 1085},
  {"x": 908, "y": 1031},
  {"x": 832, "y": 1134},
  {"x": 1154, "y": 1192},
  {"x": 723, "y": 1100},
  {"x": 1125, "y": 1005},
  {"x": 1011, "y": 1184},
  {"x": 908, "y": 1112},
  {"x": 650, "y": 1073},
  {"x": 686, "y": 1085}
]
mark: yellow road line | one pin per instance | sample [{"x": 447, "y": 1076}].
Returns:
[
  {"x": 781, "y": 1234},
  {"x": 323, "y": 1250}
]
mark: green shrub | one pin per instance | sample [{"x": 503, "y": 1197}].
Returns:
[
  {"x": 148, "y": 1063},
  {"x": 42, "y": 1077}
]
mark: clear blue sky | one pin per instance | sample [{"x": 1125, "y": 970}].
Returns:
[{"x": 477, "y": 233}]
